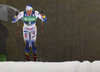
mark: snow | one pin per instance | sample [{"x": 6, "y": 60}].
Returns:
[{"x": 70, "y": 66}]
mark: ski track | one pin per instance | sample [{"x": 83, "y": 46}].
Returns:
[{"x": 69, "y": 66}]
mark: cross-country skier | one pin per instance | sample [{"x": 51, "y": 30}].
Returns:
[{"x": 29, "y": 28}]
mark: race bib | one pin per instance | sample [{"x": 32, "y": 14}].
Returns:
[{"x": 29, "y": 19}]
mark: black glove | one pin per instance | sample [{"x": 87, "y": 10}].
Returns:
[
  {"x": 16, "y": 13},
  {"x": 41, "y": 11}
]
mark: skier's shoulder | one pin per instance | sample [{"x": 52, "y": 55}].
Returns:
[{"x": 24, "y": 11}]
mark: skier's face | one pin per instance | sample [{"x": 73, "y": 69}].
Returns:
[{"x": 29, "y": 12}]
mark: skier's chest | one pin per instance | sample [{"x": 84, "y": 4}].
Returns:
[{"x": 32, "y": 15}]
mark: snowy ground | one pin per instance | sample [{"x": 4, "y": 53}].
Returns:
[{"x": 74, "y": 66}]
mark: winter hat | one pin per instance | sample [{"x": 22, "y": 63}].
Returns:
[{"x": 29, "y": 7}]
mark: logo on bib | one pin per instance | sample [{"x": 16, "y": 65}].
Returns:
[{"x": 29, "y": 19}]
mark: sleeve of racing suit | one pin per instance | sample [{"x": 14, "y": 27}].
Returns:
[
  {"x": 16, "y": 18},
  {"x": 38, "y": 15}
]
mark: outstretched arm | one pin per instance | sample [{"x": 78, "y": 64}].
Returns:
[
  {"x": 19, "y": 16},
  {"x": 40, "y": 16}
]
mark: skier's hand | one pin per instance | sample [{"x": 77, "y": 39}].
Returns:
[
  {"x": 16, "y": 13},
  {"x": 43, "y": 15},
  {"x": 14, "y": 19},
  {"x": 42, "y": 12}
]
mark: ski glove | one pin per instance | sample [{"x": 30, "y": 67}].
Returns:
[
  {"x": 16, "y": 13},
  {"x": 41, "y": 11},
  {"x": 44, "y": 18},
  {"x": 14, "y": 19}
]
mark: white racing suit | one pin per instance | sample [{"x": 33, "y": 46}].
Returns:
[{"x": 29, "y": 28}]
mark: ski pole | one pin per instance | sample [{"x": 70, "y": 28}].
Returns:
[
  {"x": 42, "y": 30},
  {"x": 42, "y": 23},
  {"x": 17, "y": 25},
  {"x": 17, "y": 29},
  {"x": 18, "y": 34},
  {"x": 42, "y": 35},
  {"x": 42, "y": 40}
]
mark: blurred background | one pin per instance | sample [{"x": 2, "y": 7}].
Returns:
[{"x": 71, "y": 33}]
